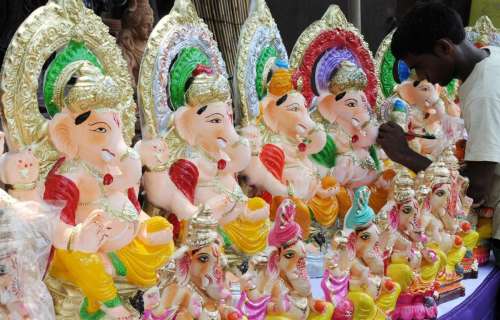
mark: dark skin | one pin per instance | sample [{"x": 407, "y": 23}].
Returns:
[{"x": 448, "y": 61}]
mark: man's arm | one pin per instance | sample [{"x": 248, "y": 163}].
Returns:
[
  {"x": 480, "y": 174},
  {"x": 392, "y": 139}
]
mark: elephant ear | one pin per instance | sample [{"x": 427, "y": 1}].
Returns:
[
  {"x": 182, "y": 125},
  {"x": 325, "y": 103},
  {"x": 61, "y": 135},
  {"x": 273, "y": 263},
  {"x": 273, "y": 158}
]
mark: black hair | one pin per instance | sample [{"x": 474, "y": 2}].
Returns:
[
  {"x": 188, "y": 83},
  {"x": 281, "y": 100},
  {"x": 426, "y": 23},
  {"x": 340, "y": 96},
  {"x": 416, "y": 83},
  {"x": 201, "y": 110},
  {"x": 82, "y": 118}
]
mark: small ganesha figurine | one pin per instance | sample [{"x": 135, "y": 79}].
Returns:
[
  {"x": 199, "y": 289},
  {"x": 256, "y": 287},
  {"x": 429, "y": 116},
  {"x": 291, "y": 296},
  {"x": 412, "y": 266},
  {"x": 206, "y": 153},
  {"x": 158, "y": 177},
  {"x": 351, "y": 125},
  {"x": 458, "y": 208},
  {"x": 19, "y": 172},
  {"x": 287, "y": 136},
  {"x": 373, "y": 294},
  {"x": 335, "y": 282},
  {"x": 102, "y": 232},
  {"x": 447, "y": 245}
]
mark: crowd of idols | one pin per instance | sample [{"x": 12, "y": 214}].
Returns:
[{"x": 261, "y": 198}]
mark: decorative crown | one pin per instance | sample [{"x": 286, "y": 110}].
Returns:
[
  {"x": 440, "y": 174},
  {"x": 360, "y": 215},
  {"x": 281, "y": 82},
  {"x": 403, "y": 186},
  {"x": 347, "y": 76},
  {"x": 202, "y": 230},
  {"x": 207, "y": 88},
  {"x": 92, "y": 89},
  {"x": 449, "y": 158}
]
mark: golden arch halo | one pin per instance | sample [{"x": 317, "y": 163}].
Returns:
[{"x": 44, "y": 32}]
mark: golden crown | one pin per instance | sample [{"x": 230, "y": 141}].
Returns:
[
  {"x": 403, "y": 186},
  {"x": 207, "y": 88},
  {"x": 347, "y": 76},
  {"x": 91, "y": 90},
  {"x": 440, "y": 174},
  {"x": 202, "y": 230},
  {"x": 449, "y": 158}
]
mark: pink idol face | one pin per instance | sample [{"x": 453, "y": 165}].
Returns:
[
  {"x": 422, "y": 94},
  {"x": 206, "y": 269},
  {"x": 409, "y": 218},
  {"x": 211, "y": 126},
  {"x": 99, "y": 137},
  {"x": 440, "y": 196},
  {"x": 353, "y": 113},
  {"x": 289, "y": 115},
  {"x": 293, "y": 265},
  {"x": 368, "y": 238}
]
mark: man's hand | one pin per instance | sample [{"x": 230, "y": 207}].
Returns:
[{"x": 392, "y": 139}]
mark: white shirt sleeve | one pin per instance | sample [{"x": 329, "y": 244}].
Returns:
[{"x": 482, "y": 121}]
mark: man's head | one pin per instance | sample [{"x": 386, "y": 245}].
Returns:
[{"x": 428, "y": 40}]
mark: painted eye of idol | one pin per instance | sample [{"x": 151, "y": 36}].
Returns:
[
  {"x": 289, "y": 254},
  {"x": 407, "y": 209},
  {"x": 215, "y": 118},
  {"x": 203, "y": 257},
  {"x": 294, "y": 107},
  {"x": 351, "y": 103},
  {"x": 365, "y": 236},
  {"x": 441, "y": 193},
  {"x": 100, "y": 127}
]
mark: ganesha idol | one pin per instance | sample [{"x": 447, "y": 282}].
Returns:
[
  {"x": 291, "y": 296},
  {"x": 285, "y": 138},
  {"x": 199, "y": 289},
  {"x": 411, "y": 265},
  {"x": 440, "y": 228},
  {"x": 458, "y": 209},
  {"x": 429, "y": 116},
  {"x": 372, "y": 294},
  {"x": 335, "y": 72},
  {"x": 274, "y": 117},
  {"x": 206, "y": 153},
  {"x": 102, "y": 233}
]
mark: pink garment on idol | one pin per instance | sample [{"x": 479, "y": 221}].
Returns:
[
  {"x": 285, "y": 228},
  {"x": 335, "y": 289},
  {"x": 415, "y": 306},
  {"x": 253, "y": 309}
]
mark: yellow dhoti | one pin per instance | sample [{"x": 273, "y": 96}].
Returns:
[{"x": 137, "y": 261}]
